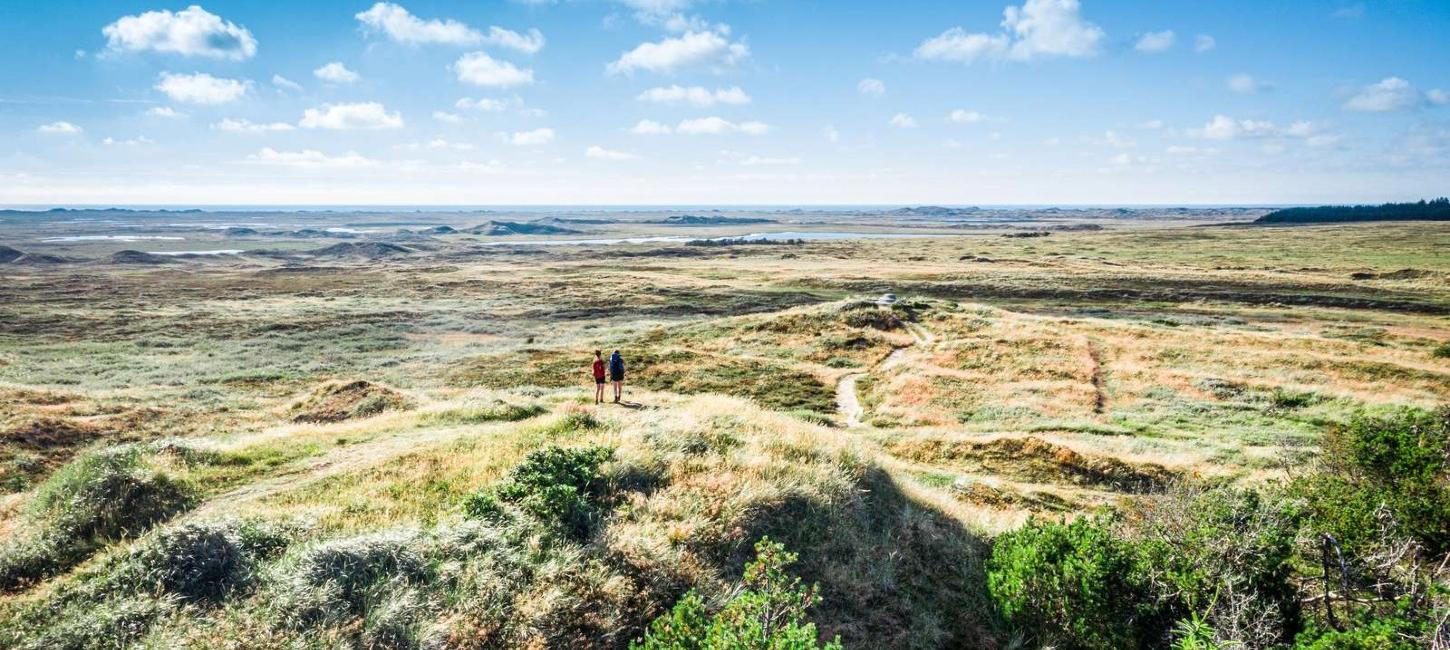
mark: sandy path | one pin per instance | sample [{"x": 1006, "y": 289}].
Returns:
[
  {"x": 339, "y": 461},
  {"x": 848, "y": 403}
]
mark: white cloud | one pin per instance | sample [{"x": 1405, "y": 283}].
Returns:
[
  {"x": 480, "y": 69},
  {"x": 190, "y": 32},
  {"x": 1246, "y": 84},
  {"x": 1038, "y": 28},
  {"x": 1390, "y": 94},
  {"x": 1152, "y": 125},
  {"x": 485, "y": 104},
  {"x": 201, "y": 88},
  {"x": 691, "y": 49},
  {"x": 1437, "y": 97},
  {"x": 447, "y": 118},
  {"x": 1153, "y": 42},
  {"x": 529, "y": 43},
  {"x": 764, "y": 161},
  {"x": 1223, "y": 127},
  {"x": 651, "y": 127},
  {"x": 1350, "y": 11},
  {"x": 718, "y": 126},
  {"x": 60, "y": 128},
  {"x": 694, "y": 95},
  {"x": 309, "y": 159},
  {"x": 247, "y": 126},
  {"x": 337, "y": 73},
  {"x": 166, "y": 112},
  {"x": 1113, "y": 139},
  {"x": 439, "y": 143},
  {"x": 830, "y": 134},
  {"x": 902, "y": 121},
  {"x": 600, "y": 153},
  {"x": 360, "y": 115},
  {"x": 129, "y": 142},
  {"x": 1203, "y": 43},
  {"x": 285, "y": 83},
  {"x": 399, "y": 25},
  {"x": 532, "y": 138},
  {"x": 871, "y": 87},
  {"x": 961, "y": 116}
]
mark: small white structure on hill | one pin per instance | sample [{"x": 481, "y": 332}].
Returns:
[{"x": 886, "y": 300}]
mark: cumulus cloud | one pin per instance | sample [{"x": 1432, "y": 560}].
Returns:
[
  {"x": 871, "y": 87},
  {"x": 447, "y": 118},
  {"x": 1037, "y": 29},
  {"x": 1203, "y": 43},
  {"x": 1246, "y": 84},
  {"x": 600, "y": 153},
  {"x": 485, "y": 104},
  {"x": 190, "y": 32},
  {"x": 285, "y": 83},
  {"x": 337, "y": 73},
  {"x": 309, "y": 159},
  {"x": 1223, "y": 127},
  {"x": 719, "y": 126},
  {"x": 1153, "y": 42},
  {"x": 59, "y": 128},
  {"x": 651, "y": 127},
  {"x": 201, "y": 88},
  {"x": 480, "y": 69},
  {"x": 529, "y": 43},
  {"x": 247, "y": 126},
  {"x": 694, "y": 95},
  {"x": 902, "y": 121},
  {"x": 532, "y": 138},
  {"x": 1389, "y": 94},
  {"x": 359, "y": 115},
  {"x": 691, "y": 49},
  {"x": 128, "y": 142},
  {"x": 961, "y": 116},
  {"x": 166, "y": 112},
  {"x": 398, "y": 24},
  {"x": 1437, "y": 97}
]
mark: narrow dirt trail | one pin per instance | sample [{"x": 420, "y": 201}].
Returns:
[
  {"x": 353, "y": 457},
  {"x": 848, "y": 402}
]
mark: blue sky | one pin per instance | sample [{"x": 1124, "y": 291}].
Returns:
[{"x": 723, "y": 102}]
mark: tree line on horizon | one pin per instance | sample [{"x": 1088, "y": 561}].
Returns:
[{"x": 1433, "y": 210}]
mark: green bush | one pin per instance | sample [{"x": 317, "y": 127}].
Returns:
[
  {"x": 1390, "y": 472},
  {"x": 1441, "y": 351},
  {"x": 558, "y": 486},
  {"x": 197, "y": 562},
  {"x": 1390, "y": 633},
  {"x": 100, "y": 497},
  {"x": 768, "y": 614},
  {"x": 1077, "y": 585}
]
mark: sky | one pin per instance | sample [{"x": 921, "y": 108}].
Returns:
[{"x": 735, "y": 102}]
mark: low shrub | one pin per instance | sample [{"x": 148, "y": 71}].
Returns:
[
  {"x": 769, "y": 613},
  {"x": 1076, "y": 585},
  {"x": 196, "y": 562},
  {"x": 100, "y": 497},
  {"x": 559, "y": 486},
  {"x": 340, "y": 579},
  {"x": 1383, "y": 472}
]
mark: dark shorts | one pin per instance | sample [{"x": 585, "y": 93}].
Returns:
[
  {"x": 599, "y": 380},
  {"x": 616, "y": 376}
]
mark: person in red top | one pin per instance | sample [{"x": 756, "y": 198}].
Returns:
[{"x": 598, "y": 377}]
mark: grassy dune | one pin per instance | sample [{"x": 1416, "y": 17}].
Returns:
[{"x": 256, "y": 454}]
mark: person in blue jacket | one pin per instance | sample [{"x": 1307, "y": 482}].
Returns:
[{"x": 616, "y": 374}]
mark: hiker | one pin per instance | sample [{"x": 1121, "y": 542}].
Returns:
[
  {"x": 598, "y": 377},
  {"x": 616, "y": 374}
]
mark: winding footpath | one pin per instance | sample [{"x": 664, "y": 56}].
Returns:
[{"x": 848, "y": 403}]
